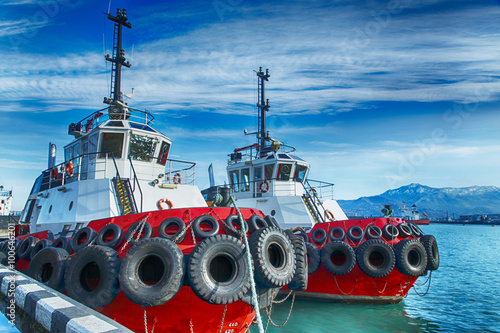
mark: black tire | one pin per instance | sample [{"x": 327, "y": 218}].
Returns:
[
  {"x": 338, "y": 257},
  {"x": 40, "y": 245},
  {"x": 415, "y": 230},
  {"x": 26, "y": 247},
  {"x": 218, "y": 270},
  {"x": 170, "y": 222},
  {"x": 375, "y": 258},
  {"x": 82, "y": 238},
  {"x": 313, "y": 258},
  {"x": 265, "y": 295},
  {"x": 256, "y": 222},
  {"x": 300, "y": 278},
  {"x": 411, "y": 258},
  {"x": 355, "y": 233},
  {"x": 273, "y": 256},
  {"x": 271, "y": 221},
  {"x": 337, "y": 231},
  {"x": 233, "y": 226},
  {"x": 147, "y": 232},
  {"x": 373, "y": 232},
  {"x": 205, "y": 220},
  {"x": 110, "y": 235},
  {"x": 92, "y": 276},
  {"x": 152, "y": 271},
  {"x": 404, "y": 230},
  {"x": 63, "y": 242},
  {"x": 432, "y": 251},
  {"x": 48, "y": 267},
  {"x": 318, "y": 236},
  {"x": 390, "y": 232}
]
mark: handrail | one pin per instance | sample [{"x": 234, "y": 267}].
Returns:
[
  {"x": 136, "y": 180},
  {"x": 92, "y": 121}
]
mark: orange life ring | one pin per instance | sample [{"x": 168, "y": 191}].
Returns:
[
  {"x": 311, "y": 191},
  {"x": 54, "y": 174},
  {"x": 264, "y": 186},
  {"x": 168, "y": 202},
  {"x": 69, "y": 168},
  {"x": 329, "y": 215},
  {"x": 177, "y": 178}
]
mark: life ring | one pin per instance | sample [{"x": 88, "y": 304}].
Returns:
[
  {"x": 256, "y": 222},
  {"x": 375, "y": 258},
  {"x": 49, "y": 266},
  {"x": 318, "y": 236},
  {"x": 54, "y": 174},
  {"x": 273, "y": 257},
  {"x": 338, "y": 257},
  {"x": 63, "y": 242},
  {"x": 147, "y": 232},
  {"x": 300, "y": 278},
  {"x": 111, "y": 235},
  {"x": 40, "y": 245},
  {"x": 404, "y": 230},
  {"x": 231, "y": 281},
  {"x": 355, "y": 233},
  {"x": 339, "y": 231},
  {"x": 329, "y": 215},
  {"x": 312, "y": 192},
  {"x": 152, "y": 272},
  {"x": 390, "y": 232},
  {"x": 313, "y": 257},
  {"x": 69, "y": 168},
  {"x": 82, "y": 238},
  {"x": 177, "y": 178},
  {"x": 411, "y": 258},
  {"x": 431, "y": 248},
  {"x": 168, "y": 202},
  {"x": 233, "y": 226},
  {"x": 373, "y": 232},
  {"x": 264, "y": 186},
  {"x": 92, "y": 276},
  {"x": 26, "y": 247},
  {"x": 176, "y": 237}
]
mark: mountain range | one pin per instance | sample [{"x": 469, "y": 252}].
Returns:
[{"x": 437, "y": 203}]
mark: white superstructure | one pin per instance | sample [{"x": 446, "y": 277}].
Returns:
[{"x": 5, "y": 201}]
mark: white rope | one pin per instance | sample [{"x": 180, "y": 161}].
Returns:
[{"x": 250, "y": 268}]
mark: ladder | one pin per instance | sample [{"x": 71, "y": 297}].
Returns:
[
  {"x": 312, "y": 208},
  {"x": 124, "y": 196}
]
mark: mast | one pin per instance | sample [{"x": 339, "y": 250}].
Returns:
[
  {"x": 118, "y": 60},
  {"x": 263, "y": 106}
]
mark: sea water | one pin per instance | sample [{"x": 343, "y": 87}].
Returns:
[{"x": 463, "y": 295}]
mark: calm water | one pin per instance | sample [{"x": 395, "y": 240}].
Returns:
[{"x": 463, "y": 296}]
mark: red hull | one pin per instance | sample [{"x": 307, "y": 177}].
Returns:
[{"x": 420, "y": 222}]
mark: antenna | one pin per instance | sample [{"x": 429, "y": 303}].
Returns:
[{"x": 263, "y": 106}]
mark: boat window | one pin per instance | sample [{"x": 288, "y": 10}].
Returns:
[
  {"x": 92, "y": 146},
  {"x": 163, "y": 154},
  {"x": 245, "y": 180},
  {"x": 233, "y": 177},
  {"x": 112, "y": 143},
  {"x": 141, "y": 127},
  {"x": 115, "y": 124},
  {"x": 284, "y": 171},
  {"x": 257, "y": 173},
  {"x": 269, "y": 171},
  {"x": 141, "y": 147},
  {"x": 28, "y": 211},
  {"x": 284, "y": 156},
  {"x": 300, "y": 173}
]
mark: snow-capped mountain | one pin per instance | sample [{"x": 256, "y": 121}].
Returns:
[{"x": 436, "y": 202}]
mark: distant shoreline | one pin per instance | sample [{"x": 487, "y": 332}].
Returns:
[{"x": 465, "y": 223}]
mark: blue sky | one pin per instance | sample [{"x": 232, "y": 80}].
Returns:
[{"x": 374, "y": 94}]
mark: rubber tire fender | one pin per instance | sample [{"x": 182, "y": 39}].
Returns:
[
  {"x": 273, "y": 256},
  {"x": 48, "y": 267},
  {"x": 390, "y": 232},
  {"x": 118, "y": 236},
  {"x": 404, "y": 230},
  {"x": 85, "y": 263},
  {"x": 318, "y": 235},
  {"x": 375, "y": 229},
  {"x": 340, "y": 250},
  {"x": 415, "y": 230},
  {"x": 300, "y": 278},
  {"x": 63, "y": 242},
  {"x": 256, "y": 222},
  {"x": 143, "y": 262},
  {"x": 431, "y": 248},
  {"x": 411, "y": 258},
  {"x": 380, "y": 250},
  {"x": 40, "y": 245},
  {"x": 265, "y": 295},
  {"x": 167, "y": 223},
  {"x": 131, "y": 234},
  {"x": 82, "y": 238},
  {"x": 313, "y": 258},
  {"x": 205, "y": 219},
  {"x": 231, "y": 222},
  {"x": 218, "y": 270},
  {"x": 26, "y": 247},
  {"x": 352, "y": 237},
  {"x": 271, "y": 221},
  {"x": 336, "y": 230}
]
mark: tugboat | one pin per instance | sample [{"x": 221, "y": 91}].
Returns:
[
  {"x": 363, "y": 260},
  {"x": 122, "y": 228}
]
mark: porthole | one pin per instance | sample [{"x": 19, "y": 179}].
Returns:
[
  {"x": 273, "y": 212},
  {"x": 70, "y": 205},
  {"x": 50, "y": 209}
]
